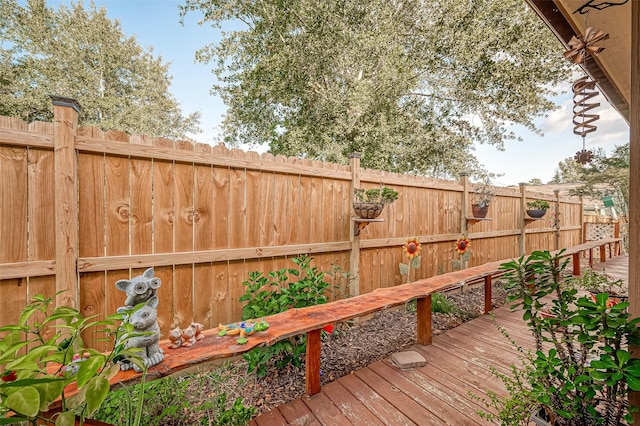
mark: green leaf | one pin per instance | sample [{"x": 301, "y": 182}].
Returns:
[
  {"x": 97, "y": 390},
  {"x": 49, "y": 392},
  {"x": 623, "y": 357},
  {"x": 88, "y": 369},
  {"x": 66, "y": 418},
  {"x": 633, "y": 382},
  {"x": 25, "y": 401},
  {"x": 404, "y": 269}
]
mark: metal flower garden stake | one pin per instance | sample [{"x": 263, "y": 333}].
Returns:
[
  {"x": 412, "y": 250},
  {"x": 462, "y": 247}
]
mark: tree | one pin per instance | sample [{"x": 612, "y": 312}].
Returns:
[
  {"x": 535, "y": 181},
  {"x": 81, "y": 53},
  {"x": 609, "y": 175},
  {"x": 409, "y": 84},
  {"x": 568, "y": 171}
]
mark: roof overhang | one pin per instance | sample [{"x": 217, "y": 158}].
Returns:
[{"x": 612, "y": 67}]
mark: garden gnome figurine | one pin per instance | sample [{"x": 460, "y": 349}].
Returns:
[{"x": 142, "y": 290}]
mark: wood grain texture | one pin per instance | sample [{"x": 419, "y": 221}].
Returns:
[
  {"x": 13, "y": 220},
  {"x": 65, "y": 124},
  {"x": 312, "y": 362}
]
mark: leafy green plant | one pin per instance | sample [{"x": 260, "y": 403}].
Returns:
[
  {"x": 596, "y": 282},
  {"x": 440, "y": 303},
  {"x": 538, "y": 204},
  {"x": 145, "y": 403},
  {"x": 385, "y": 195},
  {"x": 581, "y": 370},
  {"x": 482, "y": 194},
  {"x": 198, "y": 397},
  {"x": 235, "y": 415},
  {"x": 266, "y": 296},
  {"x": 341, "y": 282},
  {"x": 42, "y": 367}
]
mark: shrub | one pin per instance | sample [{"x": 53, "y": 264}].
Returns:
[{"x": 267, "y": 297}]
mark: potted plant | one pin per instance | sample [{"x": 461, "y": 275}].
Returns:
[
  {"x": 537, "y": 208},
  {"x": 370, "y": 202},
  {"x": 581, "y": 371},
  {"x": 596, "y": 283},
  {"x": 42, "y": 359},
  {"x": 482, "y": 196}
]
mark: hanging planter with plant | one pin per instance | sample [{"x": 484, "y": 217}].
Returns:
[
  {"x": 537, "y": 208},
  {"x": 370, "y": 203},
  {"x": 482, "y": 196}
]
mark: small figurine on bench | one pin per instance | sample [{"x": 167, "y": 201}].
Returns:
[
  {"x": 187, "y": 337},
  {"x": 243, "y": 328}
]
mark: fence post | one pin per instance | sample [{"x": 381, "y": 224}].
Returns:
[
  {"x": 523, "y": 233},
  {"x": 557, "y": 194},
  {"x": 65, "y": 126},
  {"x": 464, "y": 181},
  {"x": 584, "y": 226},
  {"x": 354, "y": 261}
]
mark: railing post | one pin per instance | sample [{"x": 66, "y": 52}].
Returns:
[
  {"x": 603, "y": 253},
  {"x": 65, "y": 126},
  {"x": 423, "y": 316},
  {"x": 354, "y": 260},
  {"x": 487, "y": 294},
  {"x": 523, "y": 233},
  {"x": 576, "y": 264},
  {"x": 312, "y": 362}
]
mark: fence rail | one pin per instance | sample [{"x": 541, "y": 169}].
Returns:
[{"x": 81, "y": 208}]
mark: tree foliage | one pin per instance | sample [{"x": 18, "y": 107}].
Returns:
[
  {"x": 79, "y": 52},
  {"x": 568, "y": 171},
  {"x": 606, "y": 175},
  {"x": 609, "y": 175},
  {"x": 409, "y": 84}
]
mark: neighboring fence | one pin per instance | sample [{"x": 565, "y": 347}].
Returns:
[{"x": 81, "y": 209}]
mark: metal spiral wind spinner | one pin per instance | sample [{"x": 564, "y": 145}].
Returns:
[
  {"x": 583, "y": 90},
  {"x": 580, "y": 49}
]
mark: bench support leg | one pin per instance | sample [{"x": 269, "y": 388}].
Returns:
[
  {"x": 424, "y": 320},
  {"x": 313, "y": 362},
  {"x": 576, "y": 264},
  {"x": 487, "y": 294}
]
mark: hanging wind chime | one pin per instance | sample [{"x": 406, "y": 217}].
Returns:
[{"x": 584, "y": 89}]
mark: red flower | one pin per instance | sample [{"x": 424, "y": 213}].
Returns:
[
  {"x": 9, "y": 376},
  {"x": 412, "y": 248},
  {"x": 328, "y": 328},
  {"x": 462, "y": 245}
]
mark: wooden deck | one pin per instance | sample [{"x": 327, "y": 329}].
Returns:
[{"x": 437, "y": 394}]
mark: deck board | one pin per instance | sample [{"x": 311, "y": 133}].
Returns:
[{"x": 457, "y": 362}]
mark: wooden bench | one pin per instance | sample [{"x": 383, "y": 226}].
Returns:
[
  {"x": 614, "y": 245},
  {"x": 310, "y": 320}
]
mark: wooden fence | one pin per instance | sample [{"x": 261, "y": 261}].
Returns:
[{"x": 82, "y": 208}]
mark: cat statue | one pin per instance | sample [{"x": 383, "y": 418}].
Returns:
[
  {"x": 144, "y": 320},
  {"x": 139, "y": 289}
]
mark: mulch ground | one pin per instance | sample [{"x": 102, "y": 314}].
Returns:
[{"x": 349, "y": 348}]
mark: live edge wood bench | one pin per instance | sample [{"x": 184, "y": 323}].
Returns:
[{"x": 310, "y": 320}]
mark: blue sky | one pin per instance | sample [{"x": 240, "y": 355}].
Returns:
[{"x": 155, "y": 23}]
